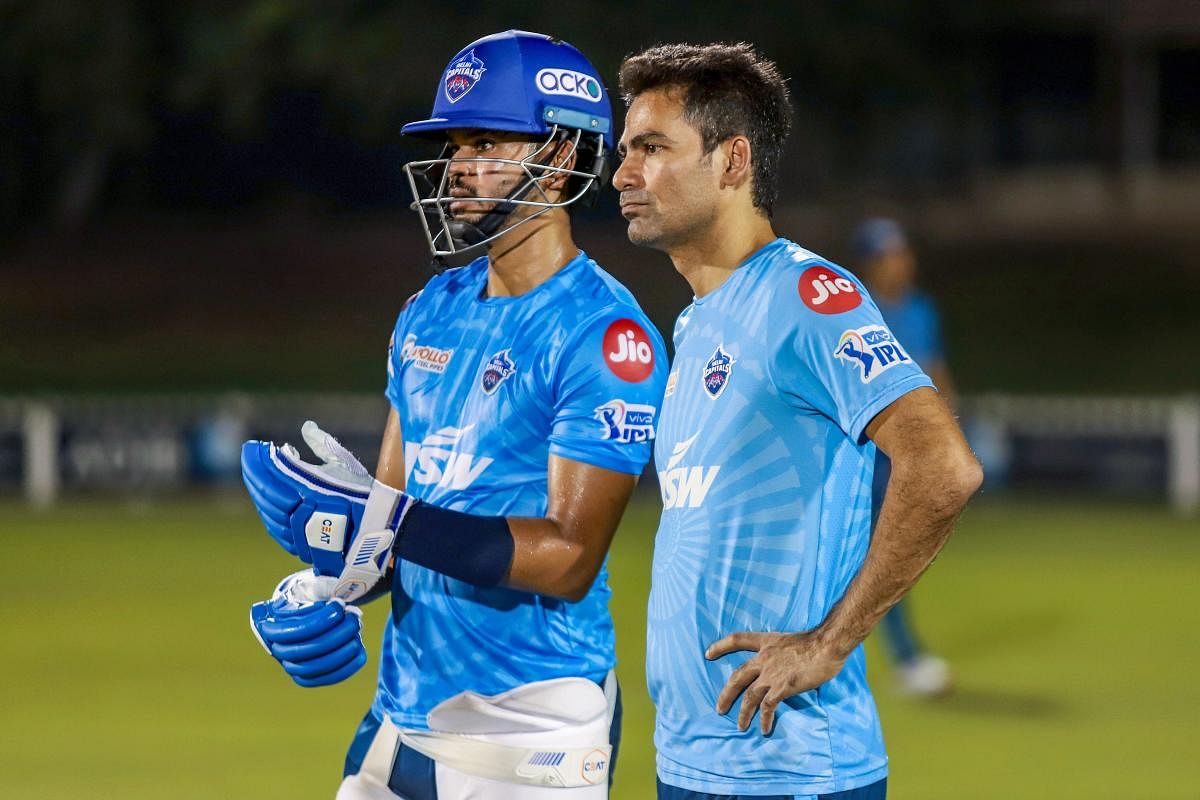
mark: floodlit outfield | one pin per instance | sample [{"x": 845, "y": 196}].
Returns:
[{"x": 129, "y": 670}]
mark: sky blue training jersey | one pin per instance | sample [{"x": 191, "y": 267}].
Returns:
[
  {"x": 487, "y": 388},
  {"x": 913, "y": 319},
  {"x": 765, "y": 473}
]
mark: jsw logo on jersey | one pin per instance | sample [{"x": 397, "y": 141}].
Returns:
[
  {"x": 873, "y": 350},
  {"x": 435, "y": 460},
  {"x": 685, "y": 487}
]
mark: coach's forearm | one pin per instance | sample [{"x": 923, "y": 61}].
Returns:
[{"x": 924, "y": 498}]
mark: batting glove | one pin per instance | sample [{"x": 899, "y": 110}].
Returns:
[
  {"x": 317, "y": 640},
  {"x": 314, "y": 510}
]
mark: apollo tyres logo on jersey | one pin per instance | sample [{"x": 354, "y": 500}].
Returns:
[
  {"x": 627, "y": 422},
  {"x": 683, "y": 486},
  {"x": 424, "y": 357},
  {"x": 873, "y": 350},
  {"x": 627, "y": 351},
  {"x": 436, "y": 460},
  {"x": 462, "y": 75},
  {"x": 827, "y": 292},
  {"x": 570, "y": 83}
]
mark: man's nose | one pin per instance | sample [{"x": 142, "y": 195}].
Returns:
[
  {"x": 458, "y": 167},
  {"x": 626, "y": 176}
]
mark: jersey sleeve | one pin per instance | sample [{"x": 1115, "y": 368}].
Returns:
[
  {"x": 832, "y": 350},
  {"x": 607, "y": 389}
]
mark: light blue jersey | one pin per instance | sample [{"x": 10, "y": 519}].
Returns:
[
  {"x": 487, "y": 388},
  {"x": 766, "y": 474}
]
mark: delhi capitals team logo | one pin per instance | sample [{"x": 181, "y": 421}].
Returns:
[
  {"x": 717, "y": 371},
  {"x": 497, "y": 371},
  {"x": 462, "y": 75}
]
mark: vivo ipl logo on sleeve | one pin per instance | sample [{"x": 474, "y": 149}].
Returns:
[
  {"x": 873, "y": 350},
  {"x": 627, "y": 422},
  {"x": 570, "y": 83},
  {"x": 717, "y": 372},
  {"x": 627, "y": 351},
  {"x": 499, "y": 368},
  {"x": 462, "y": 75}
]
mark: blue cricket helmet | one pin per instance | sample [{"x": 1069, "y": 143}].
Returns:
[{"x": 519, "y": 81}]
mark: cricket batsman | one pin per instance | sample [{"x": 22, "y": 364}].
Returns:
[
  {"x": 766, "y": 574},
  {"x": 524, "y": 389}
]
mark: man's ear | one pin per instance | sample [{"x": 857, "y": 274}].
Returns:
[
  {"x": 736, "y": 153},
  {"x": 564, "y": 157}
]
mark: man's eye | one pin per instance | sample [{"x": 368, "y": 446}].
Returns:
[
  {"x": 651, "y": 149},
  {"x": 484, "y": 145}
]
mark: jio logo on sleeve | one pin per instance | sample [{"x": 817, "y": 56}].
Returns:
[
  {"x": 627, "y": 351},
  {"x": 827, "y": 292}
]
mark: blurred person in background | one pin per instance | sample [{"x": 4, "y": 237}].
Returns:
[
  {"x": 885, "y": 261},
  {"x": 524, "y": 387}
]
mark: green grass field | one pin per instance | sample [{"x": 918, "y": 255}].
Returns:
[{"x": 129, "y": 670}]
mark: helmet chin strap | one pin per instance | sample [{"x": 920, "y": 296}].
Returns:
[{"x": 468, "y": 237}]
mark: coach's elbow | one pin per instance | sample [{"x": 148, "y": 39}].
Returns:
[
  {"x": 941, "y": 479},
  {"x": 962, "y": 478}
]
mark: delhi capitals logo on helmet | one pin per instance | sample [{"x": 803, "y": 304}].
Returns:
[
  {"x": 717, "y": 370},
  {"x": 498, "y": 370},
  {"x": 462, "y": 75}
]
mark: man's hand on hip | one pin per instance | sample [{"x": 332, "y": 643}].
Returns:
[{"x": 786, "y": 664}]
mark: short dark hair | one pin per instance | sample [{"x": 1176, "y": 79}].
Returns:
[{"x": 727, "y": 89}]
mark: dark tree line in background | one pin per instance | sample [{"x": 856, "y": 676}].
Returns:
[{"x": 124, "y": 103}]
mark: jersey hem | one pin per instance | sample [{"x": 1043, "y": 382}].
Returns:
[
  {"x": 588, "y": 456},
  {"x": 401, "y": 719},
  {"x": 860, "y": 421},
  {"x": 760, "y": 787}
]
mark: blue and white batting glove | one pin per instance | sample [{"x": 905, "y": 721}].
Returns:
[
  {"x": 314, "y": 510},
  {"x": 317, "y": 640}
]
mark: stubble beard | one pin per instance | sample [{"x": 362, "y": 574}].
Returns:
[{"x": 666, "y": 239}]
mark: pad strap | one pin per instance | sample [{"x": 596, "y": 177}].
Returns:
[{"x": 565, "y": 768}]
